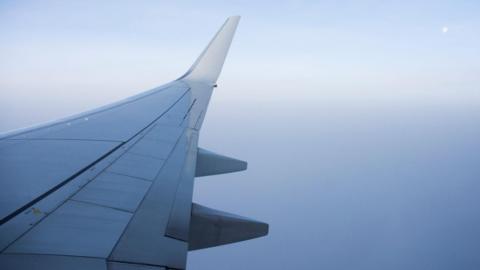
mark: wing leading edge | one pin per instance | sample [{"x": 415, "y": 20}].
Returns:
[{"x": 112, "y": 188}]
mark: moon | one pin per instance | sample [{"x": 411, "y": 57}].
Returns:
[{"x": 444, "y": 29}]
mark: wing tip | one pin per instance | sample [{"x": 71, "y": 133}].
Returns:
[
  {"x": 235, "y": 17},
  {"x": 209, "y": 64}
]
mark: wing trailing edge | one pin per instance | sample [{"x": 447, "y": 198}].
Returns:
[{"x": 209, "y": 64}]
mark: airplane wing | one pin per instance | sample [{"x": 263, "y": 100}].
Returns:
[{"x": 112, "y": 188}]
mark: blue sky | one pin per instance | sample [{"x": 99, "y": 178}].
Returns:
[{"x": 359, "y": 119}]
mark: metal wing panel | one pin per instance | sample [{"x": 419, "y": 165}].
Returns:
[
  {"x": 77, "y": 229},
  {"x": 114, "y": 191},
  {"x": 46, "y": 157},
  {"x": 119, "y": 122},
  {"x": 164, "y": 133},
  {"x": 144, "y": 239},
  {"x": 129, "y": 266},
  {"x": 152, "y": 148},
  {"x": 118, "y": 194},
  {"x": 139, "y": 166},
  {"x": 50, "y": 262},
  {"x": 31, "y": 168},
  {"x": 74, "y": 173}
]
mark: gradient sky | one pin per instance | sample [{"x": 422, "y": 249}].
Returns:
[{"x": 359, "y": 119}]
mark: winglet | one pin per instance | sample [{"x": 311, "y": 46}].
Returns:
[{"x": 209, "y": 64}]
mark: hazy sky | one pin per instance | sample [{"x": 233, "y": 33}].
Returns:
[
  {"x": 359, "y": 119},
  {"x": 86, "y": 53}
]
